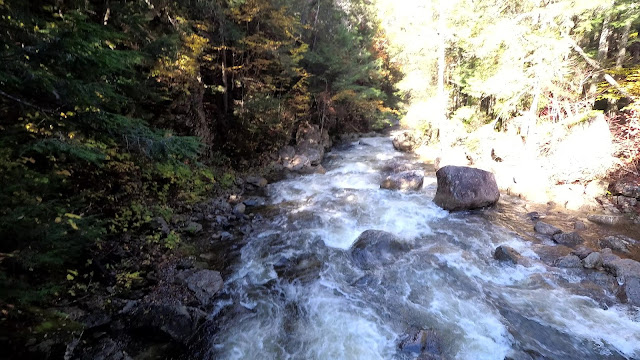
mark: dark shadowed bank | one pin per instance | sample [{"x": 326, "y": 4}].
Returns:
[{"x": 120, "y": 121}]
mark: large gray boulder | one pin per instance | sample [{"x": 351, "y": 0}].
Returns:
[
  {"x": 375, "y": 248},
  {"x": 464, "y": 188},
  {"x": 406, "y": 180}
]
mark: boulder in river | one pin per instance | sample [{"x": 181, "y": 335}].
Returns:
[
  {"x": 464, "y": 188},
  {"x": 304, "y": 268},
  {"x": 405, "y": 141},
  {"x": 375, "y": 248},
  {"x": 568, "y": 239},
  {"x": 546, "y": 229},
  {"x": 506, "y": 253},
  {"x": 406, "y": 180}
]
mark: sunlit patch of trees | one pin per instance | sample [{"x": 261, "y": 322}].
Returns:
[{"x": 515, "y": 62}]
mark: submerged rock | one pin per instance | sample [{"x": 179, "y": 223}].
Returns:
[
  {"x": 506, "y": 253},
  {"x": 546, "y": 229},
  {"x": 426, "y": 343},
  {"x": 406, "y": 180},
  {"x": 304, "y": 268},
  {"x": 464, "y": 188},
  {"x": 568, "y": 239},
  {"x": 375, "y": 248}
]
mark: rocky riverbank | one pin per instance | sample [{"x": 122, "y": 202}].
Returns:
[{"x": 163, "y": 311}]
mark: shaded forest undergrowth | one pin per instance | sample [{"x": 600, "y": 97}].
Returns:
[{"x": 116, "y": 115}]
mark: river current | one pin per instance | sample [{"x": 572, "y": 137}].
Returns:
[{"x": 295, "y": 292}]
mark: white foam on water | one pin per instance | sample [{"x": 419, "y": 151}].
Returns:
[
  {"x": 582, "y": 317},
  {"x": 449, "y": 281},
  {"x": 482, "y": 334},
  {"x": 339, "y": 328}
]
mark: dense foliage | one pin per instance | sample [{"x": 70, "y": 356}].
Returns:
[
  {"x": 112, "y": 112},
  {"x": 517, "y": 62}
]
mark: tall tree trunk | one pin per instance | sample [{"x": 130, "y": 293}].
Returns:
[
  {"x": 622, "y": 44},
  {"x": 225, "y": 82},
  {"x": 441, "y": 58},
  {"x": 603, "y": 44}
]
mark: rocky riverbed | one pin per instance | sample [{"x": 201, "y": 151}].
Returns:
[{"x": 330, "y": 264}]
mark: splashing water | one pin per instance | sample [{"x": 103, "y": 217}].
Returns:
[{"x": 296, "y": 294}]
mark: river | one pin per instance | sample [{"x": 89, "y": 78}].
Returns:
[{"x": 295, "y": 293}]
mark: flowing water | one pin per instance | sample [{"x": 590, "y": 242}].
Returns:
[{"x": 295, "y": 293}]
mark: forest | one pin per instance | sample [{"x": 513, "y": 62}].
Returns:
[{"x": 114, "y": 113}]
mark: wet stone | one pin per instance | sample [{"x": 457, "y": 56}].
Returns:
[
  {"x": 617, "y": 242},
  {"x": 631, "y": 289},
  {"x": 569, "y": 261},
  {"x": 375, "y": 248},
  {"x": 568, "y": 239},
  {"x": 593, "y": 261},
  {"x": 239, "y": 208},
  {"x": 406, "y": 180},
  {"x": 579, "y": 225},
  {"x": 205, "y": 284},
  {"x": 546, "y": 229},
  {"x": 506, "y": 254},
  {"x": 426, "y": 343},
  {"x": 606, "y": 219},
  {"x": 582, "y": 252}
]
